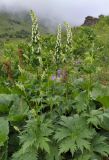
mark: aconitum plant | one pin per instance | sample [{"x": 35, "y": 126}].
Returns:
[
  {"x": 69, "y": 37},
  {"x": 58, "y": 49},
  {"x": 35, "y": 44}
]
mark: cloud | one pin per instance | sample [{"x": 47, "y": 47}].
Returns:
[{"x": 72, "y": 11}]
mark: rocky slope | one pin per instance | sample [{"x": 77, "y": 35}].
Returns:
[{"x": 89, "y": 20}]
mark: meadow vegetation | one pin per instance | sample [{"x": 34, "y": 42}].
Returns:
[{"x": 54, "y": 94}]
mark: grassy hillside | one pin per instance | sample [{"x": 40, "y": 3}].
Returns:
[
  {"x": 16, "y": 28},
  {"x": 17, "y": 25}
]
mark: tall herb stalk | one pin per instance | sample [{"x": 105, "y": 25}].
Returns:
[{"x": 36, "y": 58}]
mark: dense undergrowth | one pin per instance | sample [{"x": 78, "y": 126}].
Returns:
[{"x": 54, "y": 97}]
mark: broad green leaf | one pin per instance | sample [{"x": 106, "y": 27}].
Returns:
[
  {"x": 104, "y": 101},
  {"x": 101, "y": 94},
  {"x": 4, "y": 130},
  {"x": 6, "y": 101},
  {"x": 105, "y": 124},
  {"x": 19, "y": 109}
]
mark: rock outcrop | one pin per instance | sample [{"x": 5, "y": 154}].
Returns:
[{"x": 89, "y": 21}]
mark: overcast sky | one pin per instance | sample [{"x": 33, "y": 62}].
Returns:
[{"x": 73, "y": 11}]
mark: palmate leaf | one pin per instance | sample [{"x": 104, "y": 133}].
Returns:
[
  {"x": 36, "y": 136},
  {"x": 27, "y": 145},
  {"x": 98, "y": 149},
  {"x": 81, "y": 101},
  {"x": 73, "y": 134},
  {"x": 4, "y": 130},
  {"x": 83, "y": 144},
  {"x": 61, "y": 134},
  {"x": 100, "y": 146},
  {"x": 67, "y": 145},
  {"x": 95, "y": 117},
  {"x": 85, "y": 156},
  {"x": 44, "y": 144},
  {"x": 30, "y": 154}
]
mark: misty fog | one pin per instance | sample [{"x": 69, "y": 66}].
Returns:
[{"x": 58, "y": 11}]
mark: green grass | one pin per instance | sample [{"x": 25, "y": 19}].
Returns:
[{"x": 11, "y": 25}]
